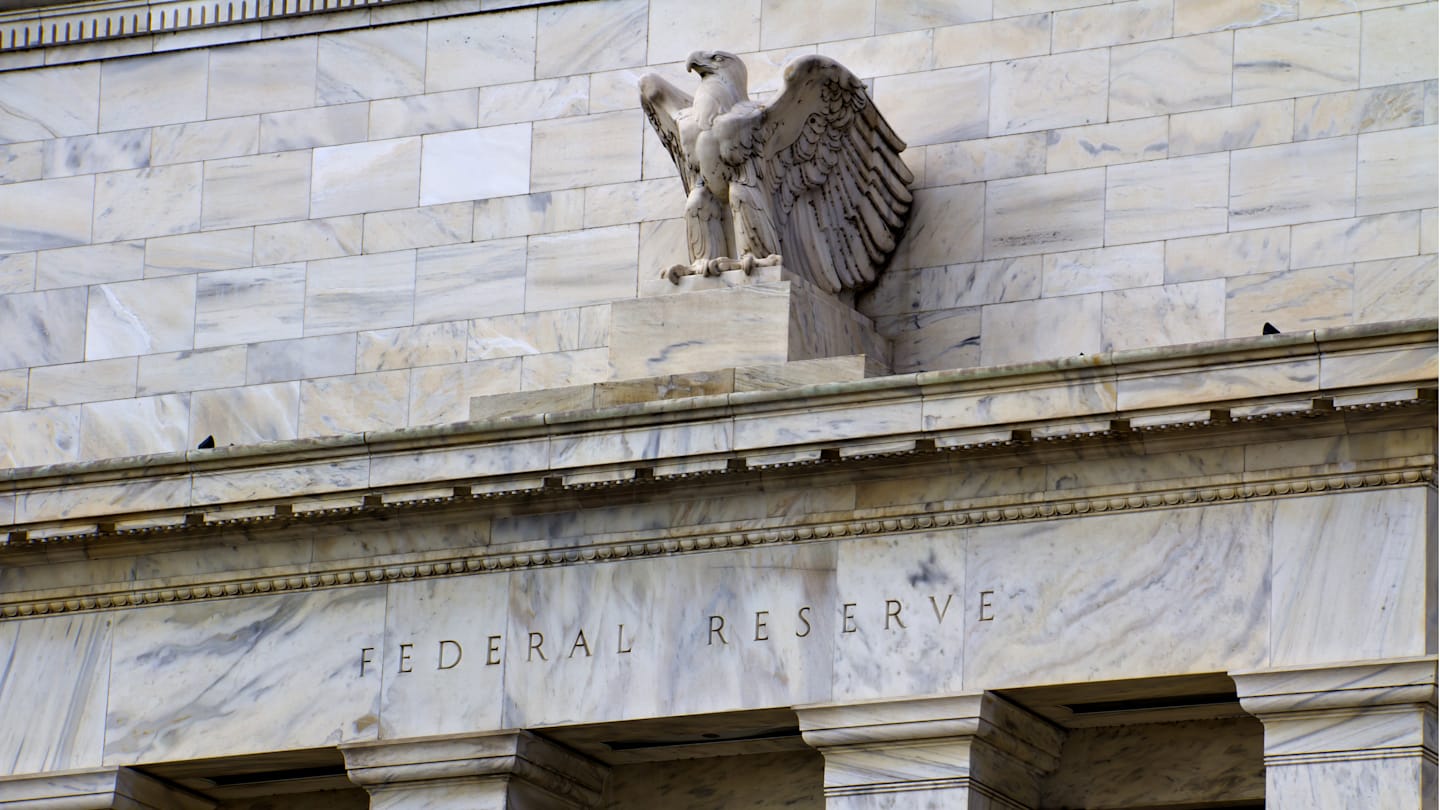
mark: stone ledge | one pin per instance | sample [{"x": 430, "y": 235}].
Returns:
[
  {"x": 154, "y": 25},
  {"x": 1057, "y": 400}
]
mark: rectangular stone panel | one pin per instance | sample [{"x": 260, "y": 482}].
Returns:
[
  {"x": 52, "y": 102},
  {"x": 365, "y": 177},
  {"x": 256, "y": 190},
  {"x": 154, "y": 89},
  {"x": 147, "y": 202},
  {"x": 1044, "y": 214},
  {"x": 1291, "y": 183},
  {"x": 585, "y": 267},
  {"x": 134, "y": 427},
  {"x": 1297, "y": 58},
  {"x": 56, "y": 675},
  {"x": 1049, "y": 92},
  {"x": 585, "y": 151},
  {"x": 480, "y": 49},
  {"x": 1350, "y": 577},
  {"x": 46, "y": 213},
  {"x": 360, "y": 292},
  {"x": 1195, "y": 70},
  {"x": 381, "y": 62},
  {"x": 281, "y": 651},
  {"x": 901, "y": 604},
  {"x": 89, "y": 264},
  {"x": 475, "y": 164},
  {"x": 1046, "y": 606},
  {"x": 205, "y": 140},
  {"x": 262, "y": 77},
  {"x": 652, "y": 629}
]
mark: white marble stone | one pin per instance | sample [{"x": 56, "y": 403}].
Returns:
[
  {"x": 586, "y": 267},
  {"x": 1086, "y": 271},
  {"x": 53, "y": 102},
  {"x": 386, "y": 231},
  {"x": 359, "y": 292},
  {"x": 1396, "y": 289},
  {"x": 578, "y": 367},
  {"x": 151, "y": 90},
  {"x": 930, "y": 341},
  {"x": 419, "y": 115},
  {"x": 205, "y": 140},
  {"x": 1297, "y": 58},
  {"x": 992, "y": 41},
  {"x": 256, "y": 190},
  {"x": 146, "y": 202},
  {"x": 1166, "y": 315},
  {"x": 248, "y": 306},
  {"x": 471, "y": 279},
  {"x": 315, "y": 126},
  {"x": 946, "y": 227},
  {"x": 441, "y": 394},
  {"x": 550, "y": 211},
  {"x": 586, "y": 150},
  {"x": 262, "y": 77},
  {"x": 1035, "y": 330},
  {"x": 335, "y": 405},
  {"x": 217, "y": 666},
  {"x": 956, "y": 285},
  {"x": 1203, "y": 571},
  {"x": 534, "y": 101},
  {"x": 56, "y": 675},
  {"x": 411, "y": 346},
  {"x": 780, "y": 669},
  {"x": 1116, "y": 24},
  {"x": 1228, "y": 128},
  {"x": 591, "y": 37},
  {"x": 70, "y": 383},
  {"x": 1396, "y": 170},
  {"x": 41, "y": 328},
  {"x": 140, "y": 317},
  {"x": 1354, "y": 111},
  {"x": 92, "y": 154},
  {"x": 20, "y": 162},
  {"x": 46, "y": 213},
  {"x": 983, "y": 159},
  {"x": 246, "y": 415},
  {"x": 1196, "y": 70},
  {"x": 40, "y": 436},
  {"x": 371, "y": 63},
  {"x": 191, "y": 370},
  {"x": 17, "y": 273},
  {"x": 1106, "y": 144},
  {"x": 134, "y": 427},
  {"x": 789, "y": 780},
  {"x": 678, "y": 27},
  {"x": 1264, "y": 250},
  {"x": 786, "y": 23},
  {"x": 1291, "y": 183},
  {"x": 1398, "y": 44},
  {"x": 1049, "y": 91},
  {"x": 14, "y": 388},
  {"x": 1336, "y": 600},
  {"x": 199, "y": 252},
  {"x": 1360, "y": 239},
  {"x": 305, "y": 358},
  {"x": 909, "y": 102},
  {"x": 1046, "y": 213},
  {"x": 475, "y": 164},
  {"x": 1167, "y": 199},
  {"x": 327, "y": 238},
  {"x": 480, "y": 49},
  {"x": 530, "y": 333},
  {"x": 91, "y": 264},
  {"x": 1203, "y": 16},
  {"x": 907, "y": 595},
  {"x": 365, "y": 177},
  {"x": 1292, "y": 300}
]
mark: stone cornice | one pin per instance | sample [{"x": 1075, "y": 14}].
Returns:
[
  {"x": 156, "y": 25},
  {"x": 1250, "y": 383}
]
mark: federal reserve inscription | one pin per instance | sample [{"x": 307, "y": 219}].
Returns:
[{"x": 712, "y": 630}]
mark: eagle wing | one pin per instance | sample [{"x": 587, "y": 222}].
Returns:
[
  {"x": 832, "y": 164},
  {"x": 664, "y": 103}
]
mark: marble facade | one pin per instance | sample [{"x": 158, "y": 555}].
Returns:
[{"x": 501, "y": 518}]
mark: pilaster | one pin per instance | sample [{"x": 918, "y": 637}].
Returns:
[
  {"x": 976, "y": 750},
  {"x": 96, "y": 789},
  {"x": 1354, "y": 735},
  {"x": 511, "y": 770}
]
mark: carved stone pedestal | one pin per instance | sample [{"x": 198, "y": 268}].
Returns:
[
  {"x": 975, "y": 751},
  {"x": 732, "y": 320},
  {"x": 97, "y": 789},
  {"x": 1359, "y": 735},
  {"x": 502, "y": 771}
]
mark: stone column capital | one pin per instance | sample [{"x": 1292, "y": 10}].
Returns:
[
  {"x": 96, "y": 789},
  {"x": 975, "y": 743},
  {"x": 1357, "y": 734},
  {"x": 567, "y": 778}
]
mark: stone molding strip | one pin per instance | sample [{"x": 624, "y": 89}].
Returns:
[
  {"x": 351, "y": 574},
  {"x": 1324, "y": 373},
  {"x": 66, "y": 24}
]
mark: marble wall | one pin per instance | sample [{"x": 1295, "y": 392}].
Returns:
[{"x": 363, "y": 225}]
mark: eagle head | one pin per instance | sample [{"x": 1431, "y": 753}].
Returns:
[{"x": 719, "y": 63}]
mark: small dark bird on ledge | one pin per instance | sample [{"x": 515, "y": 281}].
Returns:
[
  {"x": 207, "y": 443},
  {"x": 1270, "y": 329}
]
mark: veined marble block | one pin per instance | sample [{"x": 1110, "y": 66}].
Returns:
[{"x": 757, "y": 323}]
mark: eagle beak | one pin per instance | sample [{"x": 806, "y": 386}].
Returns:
[{"x": 697, "y": 63}]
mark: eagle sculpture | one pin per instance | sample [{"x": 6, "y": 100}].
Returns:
[{"x": 815, "y": 177}]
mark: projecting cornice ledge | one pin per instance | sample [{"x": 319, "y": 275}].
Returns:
[{"x": 1248, "y": 383}]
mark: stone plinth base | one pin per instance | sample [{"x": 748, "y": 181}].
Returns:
[{"x": 736, "y": 320}]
